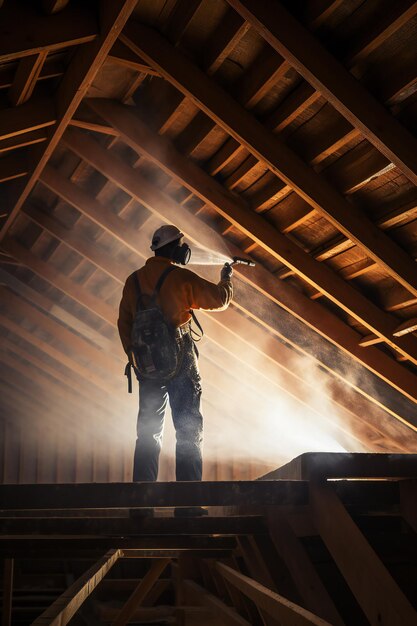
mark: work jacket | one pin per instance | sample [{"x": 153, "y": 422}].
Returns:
[{"x": 181, "y": 291}]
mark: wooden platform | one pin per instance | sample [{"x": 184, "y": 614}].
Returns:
[{"x": 306, "y": 544}]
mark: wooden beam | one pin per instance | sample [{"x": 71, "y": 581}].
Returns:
[
  {"x": 77, "y": 79},
  {"x": 122, "y": 55},
  {"x": 272, "y": 603},
  {"x": 214, "y": 328},
  {"x": 76, "y": 25},
  {"x": 226, "y": 614},
  {"x": 76, "y": 240},
  {"x": 8, "y": 568},
  {"x": 135, "y": 133},
  {"x": 231, "y": 30},
  {"x": 25, "y": 139},
  {"x": 54, "y": 6},
  {"x": 307, "y": 581},
  {"x": 389, "y": 22},
  {"x": 65, "y": 607},
  {"x": 375, "y": 590},
  {"x": 31, "y": 116},
  {"x": 13, "y": 166},
  {"x": 124, "y": 526},
  {"x": 290, "y": 39},
  {"x": 313, "y": 188},
  {"x": 138, "y": 495},
  {"x": 27, "y": 74},
  {"x": 60, "y": 281},
  {"x": 72, "y": 342},
  {"x": 139, "y": 594},
  {"x": 409, "y": 326}
]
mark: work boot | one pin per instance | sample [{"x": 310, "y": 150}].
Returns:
[{"x": 190, "y": 511}]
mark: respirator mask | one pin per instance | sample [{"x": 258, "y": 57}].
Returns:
[{"x": 181, "y": 254}]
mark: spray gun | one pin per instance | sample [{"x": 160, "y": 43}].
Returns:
[{"x": 237, "y": 260}]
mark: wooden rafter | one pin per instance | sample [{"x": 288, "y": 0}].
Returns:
[
  {"x": 272, "y": 603},
  {"x": 76, "y": 25},
  {"x": 137, "y": 136},
  {"x": 376, "y": 591},
  {"x": 290, "y": 39},
  {"x": 73, "y": 87},
  {"x": 213, "y": 326},
  {"x": 216, "y": 103},
  {"x": 65, "y": 607}
]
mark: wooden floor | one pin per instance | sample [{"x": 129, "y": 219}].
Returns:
[{"x": 325, "y": 539}]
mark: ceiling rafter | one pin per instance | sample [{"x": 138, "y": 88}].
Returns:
[
  {"x": 269, "y": 148},
  {"x": 295, "y": 43},
  {"x": 38, "y": 33},
  {"x": 318, "y": 317},
  {"x": 135, "y": 134},
  {"x": 78, "y": 77},
  {"x": 217, "y": 330}
]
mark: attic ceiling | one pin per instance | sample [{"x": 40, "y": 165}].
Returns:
[{"x": 283, "y": 131}]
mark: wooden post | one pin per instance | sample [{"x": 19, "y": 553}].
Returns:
[{"x": 140, "y": 592}]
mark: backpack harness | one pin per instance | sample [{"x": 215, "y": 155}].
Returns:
[{"x": 157, "y": 351}]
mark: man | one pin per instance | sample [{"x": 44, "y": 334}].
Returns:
[{"x": 180, "y": 293}]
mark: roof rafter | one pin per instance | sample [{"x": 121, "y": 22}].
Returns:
[
  {"x": 295, "y": 43},
  {"x": 211, "y": 98},
  {"x": 161, "y": 151},
  {"x": 78, "y": 77},
  {"x": 281, "y": 356},
  {"x": 77, "y": 24}
]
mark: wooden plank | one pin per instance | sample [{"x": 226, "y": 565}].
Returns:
[
  {"x": 70, "y": 340},
  {"x": 31, "y": 116},
  {"x": 13, "y": 166},
  {"x": 60, "y": 281},
  {"x": 77, "y": 241},
  {"x": 375, "y": 590},
  {"x": 123, "y": 526},
  {"x": 389, "y": 22},
  {"x": 37, "y": 33},
  {"x": 226, "y": 614},
  {"x": 6, "y": 612},
  {"x": 231, "y": 30},
  {"x": 216, "y": 103},
  {"x": 321, "y": 465},
  {"x": 11, "y": 545},
  {"x": 139, "y": 495},
  {"x": 77, "y": 79},
  {"x": 138, "y": 595},
  {"x": 307, "y": 581},
  {"x": 135, "y": 240},
  {"x": 290, "y": 39},
  {"x": 272, "y": 603},
  {"x": 65, "y": 607},
  {"x": 54, "y": 6},
  {"x": 27, "y": 74},
  {"x": 137, "y": 135},
  {"x": 122, "y": 55}
]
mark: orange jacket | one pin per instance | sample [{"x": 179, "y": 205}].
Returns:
[{"x": 181, "y": 291}]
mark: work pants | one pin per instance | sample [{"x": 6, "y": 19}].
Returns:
[{"x": 184, "y": 394}]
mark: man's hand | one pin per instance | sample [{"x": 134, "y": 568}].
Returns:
[{"x": 227, "y": 271}]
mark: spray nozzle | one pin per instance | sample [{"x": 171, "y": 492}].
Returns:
[{"x": 237, "y": 260}]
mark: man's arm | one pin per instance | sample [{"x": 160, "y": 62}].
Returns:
[{"x": 210, "y": 296}]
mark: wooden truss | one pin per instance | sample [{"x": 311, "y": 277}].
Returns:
[{"x": 303, "y": 549}]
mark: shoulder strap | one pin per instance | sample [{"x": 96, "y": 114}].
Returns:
[
  {"x": 194, "y": 334},
  {"x": 160, "y": 282},
  {"x": 157, "y": 289}
]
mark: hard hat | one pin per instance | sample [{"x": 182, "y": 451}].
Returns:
[{"x": 165, "y": 234}]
